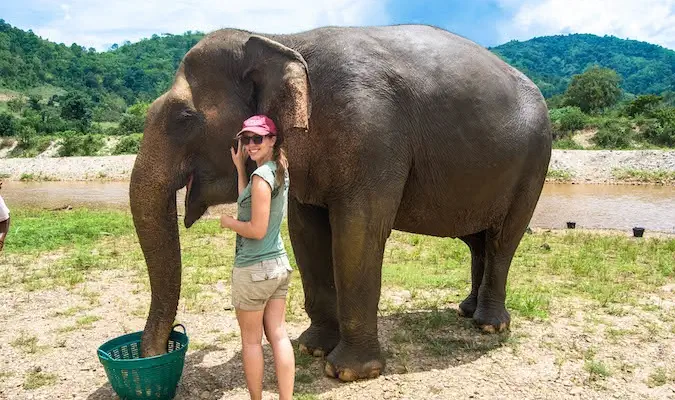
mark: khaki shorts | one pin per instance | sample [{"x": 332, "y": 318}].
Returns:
[{"x": 253, "y": 285}]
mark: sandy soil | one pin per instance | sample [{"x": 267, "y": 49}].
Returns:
[
  {"x": 582, "y": 351},
  {"x": 583, "y": 166}
]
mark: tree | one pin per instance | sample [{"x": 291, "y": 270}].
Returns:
[
  {"x": 16, "y": 104},
  {"x": 76, "y": 107},
  {"x": 7, "y": 125},
  {"x": 642, "y": 105},
  {"x": 134, "y": 119},
  {"x": 594, "y": 90}
]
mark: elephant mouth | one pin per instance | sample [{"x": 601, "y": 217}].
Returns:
[
  {"x": 188, "y": 187},
  {"x": 193, "y": 208}
]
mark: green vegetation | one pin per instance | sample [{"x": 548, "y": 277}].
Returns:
[
  {"x": 36, "y": 379},
  {"x": 662, "y": 177},
  {"x": 128, "y": 144},
  {"x": 559, "y": 175},
  {"x": 621, "y": 88},
  {"x": 593, "y": 90},
  {"x": 551, "y": 61},
  {"x": 548, "y": 266},
  {"x": 27, "y": 343},
  {"x": 660, "y": 376}
]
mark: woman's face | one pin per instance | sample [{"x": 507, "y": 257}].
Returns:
[{"x": 259, "y": 148}]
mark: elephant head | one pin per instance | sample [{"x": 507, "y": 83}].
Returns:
[{"x": 225, "y": 78}]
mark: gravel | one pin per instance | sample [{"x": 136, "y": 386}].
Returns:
[{"x": 583, "y": 166}]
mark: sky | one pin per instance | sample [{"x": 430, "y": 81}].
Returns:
[{"x": 99, "y": 24}]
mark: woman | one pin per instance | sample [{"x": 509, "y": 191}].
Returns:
[{"x": 261, "y": 270}]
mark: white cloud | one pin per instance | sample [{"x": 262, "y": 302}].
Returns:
[
  {"x": 646, "y": 20},
  {"x": 98, "y": 23}
]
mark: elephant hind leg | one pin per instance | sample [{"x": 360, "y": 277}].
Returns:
[
  {"x": 500, "y": 246},
  {"x": 476, "y": 243}
]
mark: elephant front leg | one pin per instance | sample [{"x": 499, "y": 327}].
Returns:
[
  {"x": 358, "y": 247},
  {"x": 310, "y": 234}
]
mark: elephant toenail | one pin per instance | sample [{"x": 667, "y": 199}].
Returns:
[
  {"x": 329, "y": 370},
  {"x": 348, "y": 375}
]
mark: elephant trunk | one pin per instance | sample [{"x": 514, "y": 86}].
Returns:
[{"x": 153, "y": 206}]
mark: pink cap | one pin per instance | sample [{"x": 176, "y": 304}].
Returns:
[{"x": 260, "y": 124}]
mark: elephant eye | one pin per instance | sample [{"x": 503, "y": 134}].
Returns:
[{"x": 187, "y": 114}]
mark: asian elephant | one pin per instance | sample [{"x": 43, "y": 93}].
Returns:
[{"x": 405, "y": 127}]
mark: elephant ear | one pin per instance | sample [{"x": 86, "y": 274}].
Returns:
[{"x": 281, "y": 83}]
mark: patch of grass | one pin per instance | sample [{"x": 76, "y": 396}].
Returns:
[
  {"x": 301, "y": 359},
  {"x": 559, "y": 175},
  {"x": 228, "y": 337},
  {"x": 304, "y": 378},
  {"x": 27, "y": 343},
  {"x": 69, "y": 312},
  {"x": 567, "y": 144},
  {"x": 35, "y": 380},
  {"x": 529, "y": 304},
  {"x": 197, "y": 346},
  {"x": 39, "y": 230},
  {"x": 597, "y": 369},
  {"x": 660, "y": 376},
  {"x": 46, "y": 91},
  {"x": 305, "y": 396},
  {"x": 86, "y": 322},
  {"x": 662, "y": 177}
]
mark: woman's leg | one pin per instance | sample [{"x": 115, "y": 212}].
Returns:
[
  {"x": 250, "y": 324},
  {"x": 284, "y": 359}
]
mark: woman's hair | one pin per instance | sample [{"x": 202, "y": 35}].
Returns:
[{"x": 282, "y": 164}]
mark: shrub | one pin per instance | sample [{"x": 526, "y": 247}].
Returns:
[
  {"x": 80, "y": 145},
  {"x": 643, "y": 104},
  {"x": 660, "y": 130},
  {"x": 614, "y": 134},
  {"x": 128, "y": 144},
  {"x": 8, "y": 125},
  {"x": 566, "y": 119}
]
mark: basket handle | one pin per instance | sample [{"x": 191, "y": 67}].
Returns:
[
  {"x": 182, "y": 326},
  {"x": 104, "y": 355}
]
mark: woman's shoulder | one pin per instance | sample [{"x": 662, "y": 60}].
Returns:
[{"x": 267, "y": 172}]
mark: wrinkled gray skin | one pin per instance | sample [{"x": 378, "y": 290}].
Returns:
[{"x": 405, "y": 127}]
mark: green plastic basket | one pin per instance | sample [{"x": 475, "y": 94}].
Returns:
[{"x": 135, "y": 378}]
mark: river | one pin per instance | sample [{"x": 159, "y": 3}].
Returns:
[{"x": 590, "y": 206}]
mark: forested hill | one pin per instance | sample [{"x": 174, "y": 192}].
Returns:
[
  {"x": 141, "y": 71},
  {"x": 132, "y": 72},
  {"x": 550, "y": 61}
]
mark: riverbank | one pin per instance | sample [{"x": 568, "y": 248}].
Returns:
[{"x": 570, "y": 166}]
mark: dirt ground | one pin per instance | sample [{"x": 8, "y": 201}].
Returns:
[{"x": 581, "y": 351}]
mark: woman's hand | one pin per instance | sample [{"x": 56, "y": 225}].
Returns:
[
  {"x": 226, "y": 221},
  {"x": 239, "y": 156}
]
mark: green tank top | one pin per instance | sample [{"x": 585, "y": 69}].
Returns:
[{"x": 251, "y": 251}]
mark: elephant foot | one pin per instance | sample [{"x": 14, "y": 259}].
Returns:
[
  {"x": 492, "y": 320},
  {"x": 318, "y": 341},
  {"x": 349, "y": 363},
  {"x": 468, "y": 307}
]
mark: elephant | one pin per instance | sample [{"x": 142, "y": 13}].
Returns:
[{"x": 397, "y": 127}]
